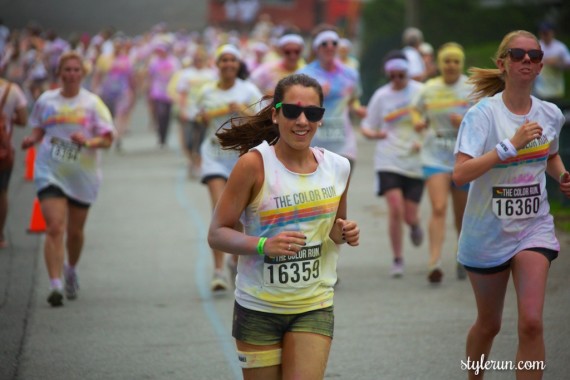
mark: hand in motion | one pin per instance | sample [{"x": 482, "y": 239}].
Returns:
[
  {"x": 456, "y": 119},
  {"x": 416, "y": 147},
  {"x": 529, "y": 131},
  {"x": 28, "y": 142},
  {"x": 360, "y": 111},
  {"x": 421, "y": 125},
  {"x": 236, "y": 107},
  {"x": 285, "y": 243},
  {"x": 565, "y": 184},
  {"x": 348, "y": 230},
  {"x": 381, "y": 135},
  {"x": 78, "y": 138}
]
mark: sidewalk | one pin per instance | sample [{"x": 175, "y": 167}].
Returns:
[{"x": 145, "y": 310}]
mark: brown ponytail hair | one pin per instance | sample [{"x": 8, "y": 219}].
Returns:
[{"x": 246, "y": 132}]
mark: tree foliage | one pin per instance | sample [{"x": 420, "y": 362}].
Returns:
[{"x": 467, "y": 22}]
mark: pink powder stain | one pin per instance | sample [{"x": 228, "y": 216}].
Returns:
[{"x": 524, "y": 178}]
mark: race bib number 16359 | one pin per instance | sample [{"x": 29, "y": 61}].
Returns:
[{"x": 293, "y": 271}]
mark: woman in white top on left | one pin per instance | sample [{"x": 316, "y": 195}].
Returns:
[{"x": 71, "y": 124}]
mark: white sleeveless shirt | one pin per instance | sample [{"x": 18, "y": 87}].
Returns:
[{"x": 291, "y": 201}]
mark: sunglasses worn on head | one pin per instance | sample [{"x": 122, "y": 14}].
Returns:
[
  {"x": 293, "y": 111},
  {"x": 326, "y": 43},
  {"x": 517, "y": 54}
]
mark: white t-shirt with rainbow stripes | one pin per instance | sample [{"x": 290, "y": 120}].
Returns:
[
  {"x": 507, "y": 208},
  {"x": 59, "y": 161}
]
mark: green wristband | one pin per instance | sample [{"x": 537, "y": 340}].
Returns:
[{"x": 260, "y": 245}]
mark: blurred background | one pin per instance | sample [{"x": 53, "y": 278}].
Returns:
[{"x": 374, "y": 26}]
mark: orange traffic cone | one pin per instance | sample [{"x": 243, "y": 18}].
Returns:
[
  {"x": 30, "y": 160},
  {"x": 37, "y": 221}
]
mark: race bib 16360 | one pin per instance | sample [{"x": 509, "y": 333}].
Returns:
[{"x": 516, "y": 202}]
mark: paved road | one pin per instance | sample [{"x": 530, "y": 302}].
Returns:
[{"x": 145, "y": 310}]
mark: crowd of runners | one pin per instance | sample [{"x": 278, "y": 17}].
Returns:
[{"x": 249, "y": 108}]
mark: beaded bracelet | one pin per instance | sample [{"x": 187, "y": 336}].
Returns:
[{"x": 260, "y": 245}]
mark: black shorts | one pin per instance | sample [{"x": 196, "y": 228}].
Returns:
[
  {"x": 550, "y": 254},
  {"x": 210, "y": 177},
  {"x": 5, "y": 179},
  {"x": 53, "y": 191},
  {"x": 412, "y": 188}
]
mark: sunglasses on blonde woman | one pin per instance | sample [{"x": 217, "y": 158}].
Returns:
[
  {"x": 517, "y": 54},
  {"x": 293, "y": 111}
]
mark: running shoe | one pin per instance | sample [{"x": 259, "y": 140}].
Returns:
[
  {"x": 55, "y": 297},
  {"x": 435, "y": 275},
  {"x": 219, "y": 282},
  {"x": 71, "y": 283},
  {"x": 397, "y": 269},
  {"x": 416, "y": 235}
]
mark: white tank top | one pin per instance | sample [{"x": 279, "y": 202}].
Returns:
[{"x": 294, "y": 202}]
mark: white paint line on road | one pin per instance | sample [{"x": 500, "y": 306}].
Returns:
[{"x": 202, "y": 282}]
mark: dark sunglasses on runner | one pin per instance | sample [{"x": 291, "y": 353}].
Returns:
[
  {"x": 517, "y": 54},
  {"x": 292, "y": 111},
  {"x": 327, "y": 43}
]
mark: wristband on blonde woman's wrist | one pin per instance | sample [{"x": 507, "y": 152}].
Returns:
[
  {"x": 561, "y": 176},
  {"x": 506, "y": 149}
]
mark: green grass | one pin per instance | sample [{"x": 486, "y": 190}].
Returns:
[
  {"x": 480, "y": 55},
  {"x": 561, "y": 212}
]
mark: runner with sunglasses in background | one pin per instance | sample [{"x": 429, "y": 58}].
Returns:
[
  {"x": 441, "y": 104},
  {"x": 507, "y": 143},
  {"x": 397, "y": 158},
  {"x": 292, "y": 199},
  {"x": 290, "y": 46},
  {"x": 341, "y": 88}
]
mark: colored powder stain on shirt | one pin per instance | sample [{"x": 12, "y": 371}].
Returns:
[
  {"x": 397, "y": 115},
  {"x": 527, "y": 155},
  {"x": 300, "y": 213},
  {"x": 446, "y": 105}
]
